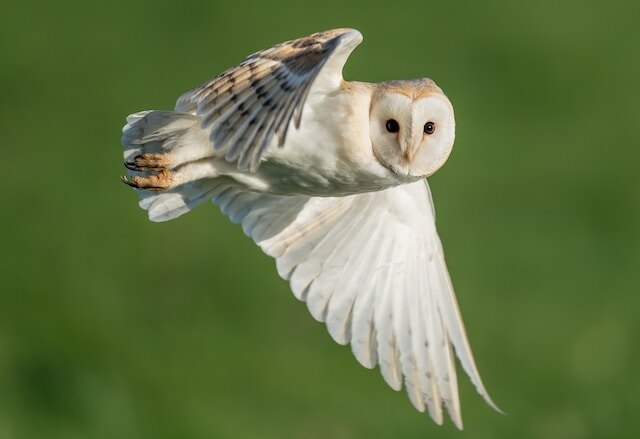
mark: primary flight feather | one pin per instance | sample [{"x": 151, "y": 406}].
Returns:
[{"x": 328, "y": 177}]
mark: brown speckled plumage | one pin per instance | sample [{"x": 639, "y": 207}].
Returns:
[{"x": 247, "y": 105}]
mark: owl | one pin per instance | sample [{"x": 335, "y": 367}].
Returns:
[{"x": 329, "y": 178}]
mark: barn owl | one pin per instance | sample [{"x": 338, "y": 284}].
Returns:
[{"x": 328, "y": 177}]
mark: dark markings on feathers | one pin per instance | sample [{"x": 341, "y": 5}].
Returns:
[
  {"x": 305, "y": 42},
  {"x": 271, "y": 86},
  {"x": 285, "y": 87},
  {"x": 260, "y": 92}
]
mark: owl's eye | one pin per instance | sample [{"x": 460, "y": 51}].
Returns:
[
  {"x": 429, "y": 127},
  {"x": 392, "y": 126}
]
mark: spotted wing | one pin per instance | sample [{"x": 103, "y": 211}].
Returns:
[{"x": 247, "y": 105}]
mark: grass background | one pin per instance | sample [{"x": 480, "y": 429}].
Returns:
[{"x": 114, "y": 327}]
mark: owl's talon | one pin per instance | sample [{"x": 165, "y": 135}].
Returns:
[
  {"x": 126, "y": 180},
  {"x": 130, "y": 166},
  {"x": 148, "y": 162},
  {"x": 158, "y": 182}
]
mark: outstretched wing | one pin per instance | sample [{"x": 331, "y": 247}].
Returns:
[
  {"x": 371, "y": 266},
  {"x": 247, "y": 105}
]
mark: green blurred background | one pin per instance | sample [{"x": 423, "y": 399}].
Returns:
[{"x": 115, "y": 327}]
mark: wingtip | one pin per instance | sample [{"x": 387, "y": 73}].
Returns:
[
  {"x": 347, "y": 38},
  {"x": 490, "y": 402},
  {"x": 348, "y": 33},
  {"x": 456, "y": 416},
  {"x": 354, "y": 35}
]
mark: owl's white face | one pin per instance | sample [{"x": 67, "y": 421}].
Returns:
[{"x": 412, "y": 127}]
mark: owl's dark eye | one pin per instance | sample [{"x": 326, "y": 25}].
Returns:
[
  {"x": 429, "y": 128},
  {"x": 392, "y": 126}
]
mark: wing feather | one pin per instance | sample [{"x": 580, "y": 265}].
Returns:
[
  {"x": 371, "y": 266},
  {"x": 323, "y": 287},
  {"x": 364, "y": 344},
  {"x": 246, "y": 106},
  {"x": 355, "y": 268},
  {"x": 309, "y": 265},
  {"x": 388, "y": 354}
]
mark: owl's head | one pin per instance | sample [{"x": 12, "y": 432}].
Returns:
[{"x": 412, "y": 127}]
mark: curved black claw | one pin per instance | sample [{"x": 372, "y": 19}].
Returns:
[
  {"x": 142, "y": 183},
  {"x": 146, "y": 163},
  {"x": 126, "y": 180}
]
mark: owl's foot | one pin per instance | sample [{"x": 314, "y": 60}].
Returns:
[
  {"x": 155, "y": 182},
  {"x": 149, "y": 162}
]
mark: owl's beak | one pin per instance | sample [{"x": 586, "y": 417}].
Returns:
[
  {"x": 408, "y": 155},
  {"x": 409, "y": 145}
]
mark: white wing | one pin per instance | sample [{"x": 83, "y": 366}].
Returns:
[
  {"x": 246, "y": 106},
  {"x": 371, "y": 266}
]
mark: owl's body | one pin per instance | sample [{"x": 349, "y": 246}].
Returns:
[
  {"x": 327, "y": 176},
  {"x": 314, "y": 159}
]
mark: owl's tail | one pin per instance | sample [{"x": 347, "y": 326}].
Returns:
[{"x": 161, "y": 151}]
